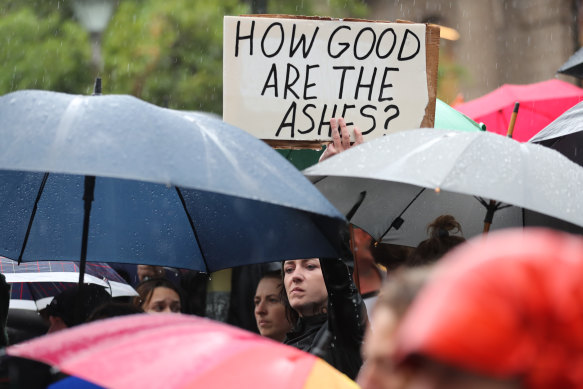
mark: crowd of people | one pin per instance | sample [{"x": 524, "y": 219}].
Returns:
[{"x": 501, "y": 311}]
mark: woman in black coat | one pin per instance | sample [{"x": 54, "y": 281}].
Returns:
[{"x": 332, "y": 315}]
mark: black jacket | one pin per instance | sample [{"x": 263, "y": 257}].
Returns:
[{"x": 337, "y": 335}]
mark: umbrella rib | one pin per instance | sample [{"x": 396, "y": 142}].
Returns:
[
  {"x": 33, "y": 213},
  {"x": 398, "y": 218},
  {"x": 481, "y": 201},
  {"x": 356, "y": 205},
  {"x": 193, "y": 228}
]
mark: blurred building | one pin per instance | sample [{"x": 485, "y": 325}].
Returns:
[{"x": 500, "y": 41}]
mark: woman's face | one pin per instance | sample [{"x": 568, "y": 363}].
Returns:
[
  {"x": 162, "y": 300},
  {"x": 269, "y": 310},
  {"x": 304, "y": 286}
]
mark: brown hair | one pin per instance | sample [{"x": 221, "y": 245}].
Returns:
[
  {"x": 291, "y": 314},
  {"x": 440, "y": 241},
  {"x": 146, "y": 288}
]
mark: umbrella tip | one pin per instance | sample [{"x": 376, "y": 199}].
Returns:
[{"x": 97, "y": 87}]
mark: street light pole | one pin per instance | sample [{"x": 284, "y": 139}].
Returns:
[{"x": 94, "y": 16}]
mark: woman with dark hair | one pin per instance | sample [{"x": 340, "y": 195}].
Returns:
[
  {"x": 441, "y": 240},
  {"x": 321, "y": 292},
  {"x": 157, "y": 295},
  {"x": 332, "y": 316},
  {"x": 270, "y": 312}
]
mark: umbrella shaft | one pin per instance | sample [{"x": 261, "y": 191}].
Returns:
[{"x": 88, "y": 199}]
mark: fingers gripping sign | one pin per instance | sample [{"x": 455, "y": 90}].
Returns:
[{"x": 340, "y": 138}]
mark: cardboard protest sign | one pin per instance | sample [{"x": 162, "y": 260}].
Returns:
[{"x": 284, "y": 78}]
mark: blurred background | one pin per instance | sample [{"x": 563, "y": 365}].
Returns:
[{"x": 169, "y": 52}]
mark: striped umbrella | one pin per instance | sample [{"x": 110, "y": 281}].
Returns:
[
  {"x": 34, "y": 284},
  {"x": 178, "y": 351}
]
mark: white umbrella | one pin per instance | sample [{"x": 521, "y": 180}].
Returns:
[{"x": 394, "y": 186}]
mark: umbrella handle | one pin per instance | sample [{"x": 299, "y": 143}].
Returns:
[
  {"x": 87, "y": 199},
  {"x": 513, "y": 120},
  {"x": 490, "y": 209}
]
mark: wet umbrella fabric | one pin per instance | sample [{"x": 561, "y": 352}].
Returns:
[
  {"x": 34, "y": 284},
  {"x": 396, "y": 185},
  {"x": 574, "y": 65},
  {"x": 540, "y": 104},
  {"x": 447, "y": 117},
  {"x": 114, "y": 353},
  {"x": 183, "y": 190},
  {"x": 565, "y": 134}
]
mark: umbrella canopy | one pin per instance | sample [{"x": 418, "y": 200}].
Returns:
[
  {"x": 446, "y": 117},
  {"x": 565, "y": 134},
  {"x": 183, "y": 190},
  {"x": 178, "y": 351},
  {"x": 34, "y": 284},
  {"x": 574, "y": 65},
  {"x": 450, "y": 118},
  {"x": 396, "y": 185},
  {"x": 540, "y": 104}
]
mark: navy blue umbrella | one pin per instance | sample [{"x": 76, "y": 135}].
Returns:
[{"x": 161, "y": 187}]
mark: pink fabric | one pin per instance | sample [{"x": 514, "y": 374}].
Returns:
[
  {"x": 508, "y": 305},
  {"x": 540, "y": 104},
  {"x": 170, "y": 351}
]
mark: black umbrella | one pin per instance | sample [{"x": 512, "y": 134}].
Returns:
[
  {"x": 574, "y": 65},
  {"x": 565, "y": 134}
]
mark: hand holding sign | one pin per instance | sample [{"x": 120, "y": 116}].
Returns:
[{"x": 340, "y": 139}]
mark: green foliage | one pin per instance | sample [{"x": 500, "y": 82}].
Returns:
[
  {"x": 47, "y": 53},
  {"x": 166, "y": 52},
  {"x": 169, "y": 53},
  {"x": 332, "y": 8}
]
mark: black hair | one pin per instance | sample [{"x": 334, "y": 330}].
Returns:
[{"x": 113, "y": 309}]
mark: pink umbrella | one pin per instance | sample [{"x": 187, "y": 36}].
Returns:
[
  {"x": 178, "y": 351},
  {"x": 540, "y": 104}
]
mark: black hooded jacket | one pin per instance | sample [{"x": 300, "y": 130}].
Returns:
[{"x": 337, "y": 335}]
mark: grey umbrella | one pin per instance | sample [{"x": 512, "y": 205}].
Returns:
[{"x": 394, "y": 186}]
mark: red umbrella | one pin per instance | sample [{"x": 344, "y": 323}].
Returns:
[
  {"x": 178, "y": 351},
  {"x": 540, "y": 104}
]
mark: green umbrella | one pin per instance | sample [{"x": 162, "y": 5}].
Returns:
[{"x": 448, "y": 118}]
